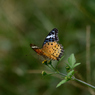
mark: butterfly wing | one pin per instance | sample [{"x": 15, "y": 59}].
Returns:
[
  {"x": 36, "y": 49},
  {"x": 52, "y": 36},
  {"x": 51, "y": 48}
]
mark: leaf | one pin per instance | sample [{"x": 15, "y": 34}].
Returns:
[
  {"x": 70, "y": 73},
  {"x": 60, "y": 83},
  {"x": 68, "y": 65},
  {"x": 71, "y": 60},
  {"x": 76, "y": 64}
]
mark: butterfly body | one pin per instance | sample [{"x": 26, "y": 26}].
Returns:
[{"x": 50, "y": 49}]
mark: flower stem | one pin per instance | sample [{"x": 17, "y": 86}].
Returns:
[
  {"x": 54, "y": 69},
  {"x": 85, "y": 83},
  {"x": 57, "y": 72}
]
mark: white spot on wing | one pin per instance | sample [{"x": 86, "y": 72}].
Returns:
[
  {"x": 34, "y": 47},
  {"x": 53, "y": 31},
  {"x": 52, "y": 36}
]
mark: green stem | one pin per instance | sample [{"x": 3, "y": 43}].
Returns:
[
  {"x": 50, "y": 67},
  {"x": 61, "y": 74},
  {"x": 87, "y": 84},
  {"x": 54, "y": 69},
  {"x": 79, "y": 81}
]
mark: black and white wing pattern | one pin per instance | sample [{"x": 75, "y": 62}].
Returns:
[{"x": 52, "y": 36}]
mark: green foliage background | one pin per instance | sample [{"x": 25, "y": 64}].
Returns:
[{"x": 29, "y": 21}]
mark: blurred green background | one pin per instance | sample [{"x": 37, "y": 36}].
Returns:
[{"x": 29, "y": 21}]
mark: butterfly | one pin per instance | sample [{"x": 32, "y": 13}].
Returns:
[{"x": 50, "y": 48}]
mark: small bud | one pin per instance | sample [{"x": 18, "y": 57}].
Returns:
[
  {"x": 44, "y": 73},
  {"x": 45, "y": 62},
  {"x": 49, "y": 62},
  {"x": 67, "y": 68},
  {"x": 67, "y": 78}
]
